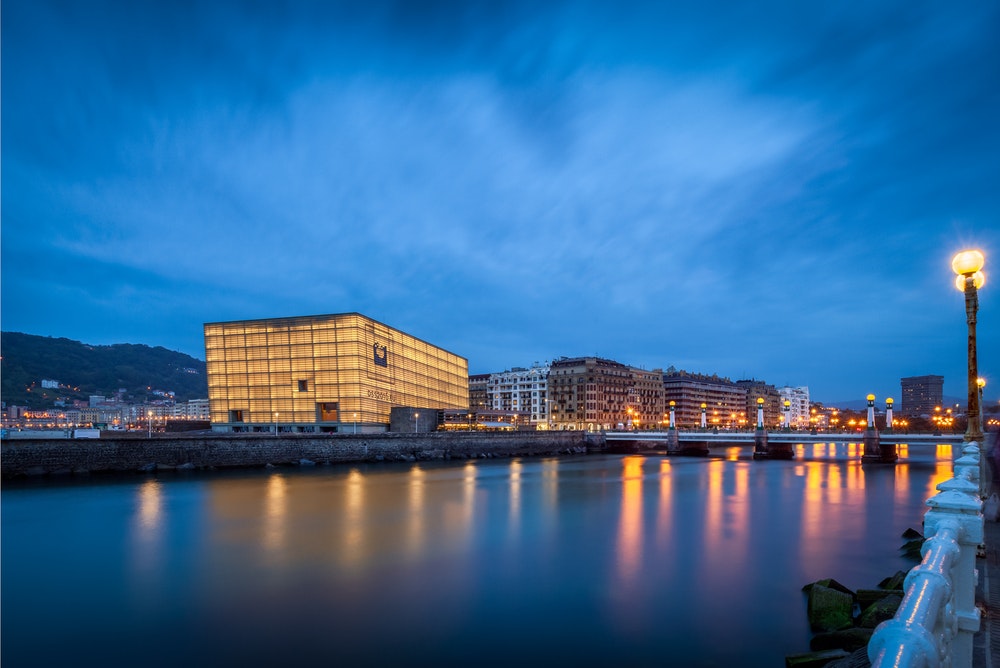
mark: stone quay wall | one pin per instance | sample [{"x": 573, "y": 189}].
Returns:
[{"x": 123, "y": 453}]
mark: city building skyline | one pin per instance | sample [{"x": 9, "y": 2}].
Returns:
[{"x": 773, "y": 193}]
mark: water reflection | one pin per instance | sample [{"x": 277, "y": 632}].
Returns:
[
  {"x": 597, "y": 560},
  {"x": 275, "y": 512}
]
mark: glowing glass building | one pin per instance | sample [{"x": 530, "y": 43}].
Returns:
[{"x": 334, "y": 373}]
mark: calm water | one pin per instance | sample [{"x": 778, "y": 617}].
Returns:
[{"x": 584, "y": 561}]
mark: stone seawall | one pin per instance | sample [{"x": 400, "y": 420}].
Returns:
[{"x": 183, "y": 451}]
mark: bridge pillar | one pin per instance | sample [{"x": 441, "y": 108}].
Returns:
[
  {"x": 760, "y": 444},
  {"x": 673, "y": 442}
]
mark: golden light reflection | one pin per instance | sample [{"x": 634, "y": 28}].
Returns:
[
  {"x": 416, "y": 529},
  {"x": 514, "y": 516},
  {"x": 630, "y": 523},
  {"x": 150, "y": 506},
  {"x": 733, "y": 454},
  {"x": 714, "y": 506},
  {"x": 663, "y": 518},
  {"x": 275, "y": 513},
  {"x": 354, "y": 521},
  {"x": 550, "y": 485},
  {"x": 944, "y": 469},
  {"x": 902, "y": 484}
]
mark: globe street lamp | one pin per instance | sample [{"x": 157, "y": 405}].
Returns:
[
  {"x": 888, "y": 414},
  {"x": 968, "y": 265},
  {"x": 704, "y": 407}
]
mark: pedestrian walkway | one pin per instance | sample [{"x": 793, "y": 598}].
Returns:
[{"x": 986, "y": 645}]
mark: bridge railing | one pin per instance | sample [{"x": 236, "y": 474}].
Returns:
[{"x": 938, "y": 617}]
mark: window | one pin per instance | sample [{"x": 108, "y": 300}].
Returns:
[{"x": 303, "y": 386}]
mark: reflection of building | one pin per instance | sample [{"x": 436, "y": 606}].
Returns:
[
  {"x": 725, "y": 401},
  {"x": 521, "y": 391},
  {"x": 921, "y": 394},
  {"x": 324, "y": 373},
  {"x": 588, "y": 393},
  {"x": 798, "y": 408}
]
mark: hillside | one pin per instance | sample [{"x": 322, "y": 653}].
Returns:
[{"x": 83, "y": 370}]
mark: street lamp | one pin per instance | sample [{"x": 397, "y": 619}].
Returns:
[
  {"x": 275, "y": 423},
  {"x": 968, "y": 265},
  {"x": 149, "y": 422},
  {"x": 788, "y": 408},
  {"x": 888, "y": 414},
  {"x": 760, "y": 413},
  {"x": 415, "y": 416},
  {"x": 704, "y": 407},
  {"x": 981, "y": 383}
]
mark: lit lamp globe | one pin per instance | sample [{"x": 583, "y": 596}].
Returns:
[{"x": 967, "y": 262}]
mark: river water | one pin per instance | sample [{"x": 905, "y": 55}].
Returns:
[{"x": 579, "y": 561}]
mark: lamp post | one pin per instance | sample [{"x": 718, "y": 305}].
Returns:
[
  {"x": 787, "y": 426},
  {"x": 704, "y": 408},
  {"x": 673, "y": 405},
  {"x": 981, "y": 383},
  {"x": 415, "y": 416},
  {"x": 888, "y": 414},
  {"x": 760, "y": 413},
  {"x": 968, "y": 265},
  {"x": 149, "y": 422},
  {"x": 275, "y": 423}
]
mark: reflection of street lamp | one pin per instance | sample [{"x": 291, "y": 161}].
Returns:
[
  {"x": 149, "y": 421},
  {"x": 968, "y": 265}
]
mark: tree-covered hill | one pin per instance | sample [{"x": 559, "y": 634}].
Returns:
[{"x": 83, "y": 370}]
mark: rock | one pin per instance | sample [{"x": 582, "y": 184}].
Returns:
[
  {"x": 883, "y": 609},
  {"x": 894, "y": 581},
  {"x": 866, "y": 597},
  {"x": 269, "y": 465},
  {"x": 847, "y": 640},
  {"x": 186, "y": 466},
  {"x": 911, "y": 548},
  {"x": 829, "y": 609},
  {"x": 306, "y": 462},
  {"x": 832, "y": 584},
  {"x": 813, "y": 659}
]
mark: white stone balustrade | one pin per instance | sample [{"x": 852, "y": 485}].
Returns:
[{"x": 937, "y": 619}]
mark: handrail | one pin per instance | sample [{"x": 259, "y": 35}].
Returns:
[{"x": 937, "y": 618}]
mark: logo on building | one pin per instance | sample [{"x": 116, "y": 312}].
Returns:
[{"x": 380, "y": 355}]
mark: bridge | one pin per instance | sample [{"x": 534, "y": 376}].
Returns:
[{"x": 878, "y": 447}]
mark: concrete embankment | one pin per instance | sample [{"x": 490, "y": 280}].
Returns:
[{"x": 123, "y": 453}]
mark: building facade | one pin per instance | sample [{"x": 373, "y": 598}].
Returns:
[
  {"x": 921, "y": 395},
  {"x": 725, "y": 401},
  {"x": 325, "y": 373},
  {"x": 758, "y": 389},
  {"x": 646, "y": 399},
  {"x": 588, "y": 393},
  {"x": 523, "y": 392},
  {"x": 478, "y": 397},
  {"x": 798, "y": 405}
]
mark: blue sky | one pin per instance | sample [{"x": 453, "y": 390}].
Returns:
[{"x": 769, "y": 189}]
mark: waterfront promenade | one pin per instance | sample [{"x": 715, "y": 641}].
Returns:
[{"x": 986, "y": 652}]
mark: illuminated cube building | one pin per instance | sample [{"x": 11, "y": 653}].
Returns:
[{"x": 325, "y": 373}]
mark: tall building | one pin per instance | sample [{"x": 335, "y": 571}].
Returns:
[
  {"x": 920, "y": 395},
  {"x": 758, "y": 389},
  {"x": 725, "y": 401},
  {"x": 478, "y": 397},
  {"x": 645, "y": 400},
  {"x": 324, "y": 373},
  {"x": 798, "y": 405},
  {"x": 521, "y": 391},
  {"x": 588, "y": 393}
]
